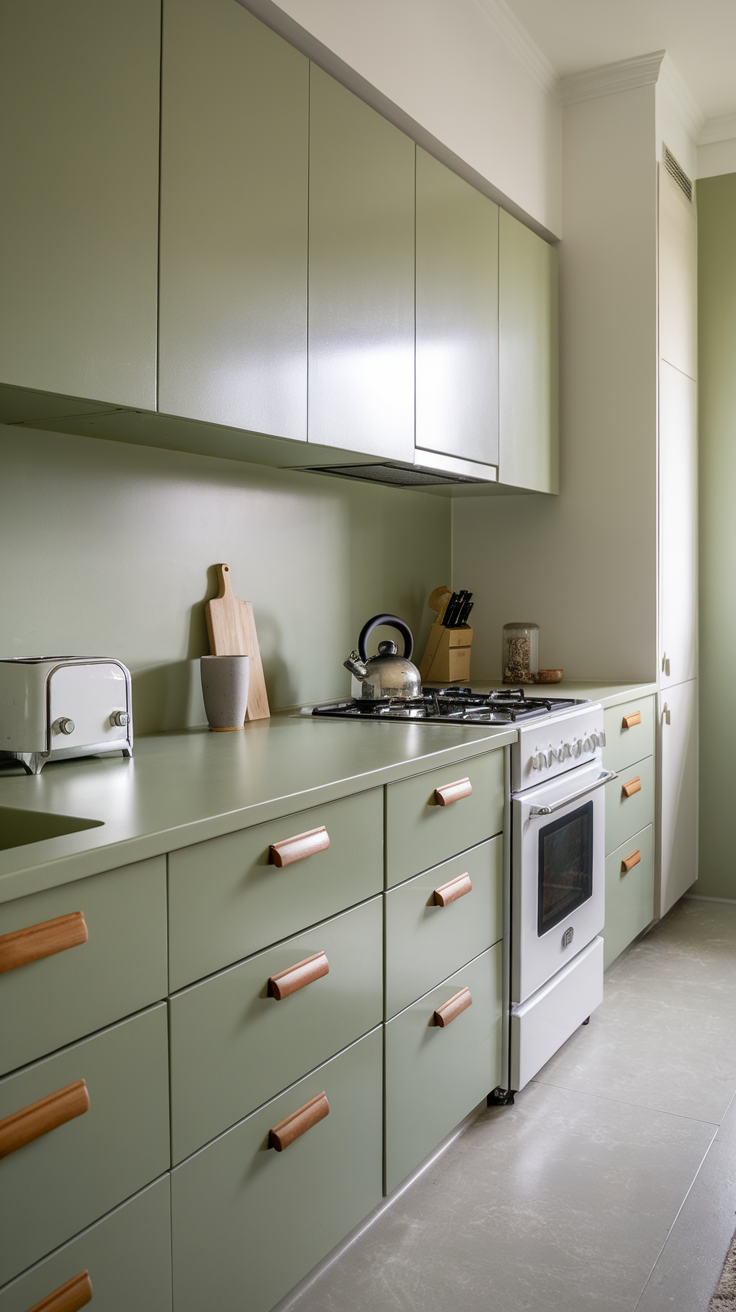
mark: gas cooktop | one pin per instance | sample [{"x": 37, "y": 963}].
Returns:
[{"x": 450, "y": 706}]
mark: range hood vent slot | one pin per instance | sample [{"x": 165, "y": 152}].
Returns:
[
  {"x": 395, "y": 475},
  {"x": 677, "y": 172}
]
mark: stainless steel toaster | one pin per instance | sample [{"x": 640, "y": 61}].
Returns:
[{"x": 56, "y": 707}]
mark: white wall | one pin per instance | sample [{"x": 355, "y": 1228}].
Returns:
[{"x": 716, "y": 158}]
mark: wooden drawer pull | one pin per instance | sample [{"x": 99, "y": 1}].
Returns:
[
  {"x": 629, "y": 721},
  {"x": 450, "y": 892},
  {"x": 42, "y": 940},
  {"x": 298, "y": 976},
  {"x": 296, "y": 848},
  {"x": 633, "y": 786},
  {"x": 452, "y": 792},
  {"x": 67, "y": 1298},
  {"x": 294, "y": 1126},
  {"x": 452, "y": 1008},
  {"x": 631, "y": 860},
  {"x": 40, "y": 1117}
]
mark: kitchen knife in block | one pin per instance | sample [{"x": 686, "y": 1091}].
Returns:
[
  {"x": 447, "y": 657},
  {"x": 232, "y": 632}
]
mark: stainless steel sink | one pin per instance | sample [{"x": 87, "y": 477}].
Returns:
[{"x": 19, "y": 827}]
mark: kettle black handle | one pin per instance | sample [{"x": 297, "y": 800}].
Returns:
[{"x": 393, "y": 622}]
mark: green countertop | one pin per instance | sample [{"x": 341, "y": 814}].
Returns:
[{"x": 608, "y": 694}]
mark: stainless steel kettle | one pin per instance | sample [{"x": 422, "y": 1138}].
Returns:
[{"x": 386, "y": 675}]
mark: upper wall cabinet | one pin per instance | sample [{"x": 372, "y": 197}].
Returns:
[
  {"x": 234, "y": 190},
  {"x": 456, "y": 315},
  {"x": 361, "y": 276},
  {"x": 79, "y": 219},
  {"x": 528, "y": 390}
]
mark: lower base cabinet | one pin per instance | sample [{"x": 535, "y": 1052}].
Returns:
[
  {"x": 629, "y": 893},
  {"x": 436, "y": 1075},
  {"x": 248, "y": 1222},
  {"x": 127, "y": 1256}
]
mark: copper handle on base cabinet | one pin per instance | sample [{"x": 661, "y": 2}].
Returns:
[
  {"x": 452, "y": 1008},
  {"x": 294, "y": 1126},
  {"x": 451, "y": 891},
  {"x": 42, "y": 940},
  {"x": 68, "y": 1297},
  {"x": 296, "y": 848},
  {"x": 631, "y": 860},
  {"x": 298, "y": 976},
  {"x": 452, "y": 792},
  {"x": 633, "y": 786},
  {"x": 629, "y": 721},
  {"x": 43, "y": 1116}
]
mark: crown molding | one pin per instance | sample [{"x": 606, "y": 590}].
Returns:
[
  {"x": 722, "y": 128},
  {"x": 624, "y": 75},
  {"x": 692, "y": 116},
  {"x": 513, "y": 32}
]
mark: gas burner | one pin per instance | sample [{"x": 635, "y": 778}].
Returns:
[{"x": 452, "y": 705}]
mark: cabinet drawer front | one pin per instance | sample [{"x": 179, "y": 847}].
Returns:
[
  {"x": 127, "y": 1255},
  {"x": 627, "y": 744},
  {"x": 67, "y": 1178},
  {"x": 226, "y": 898},
  {"x": 119, "y": 969},
  {"x": 435, "y": 1076},
  {"x": 233, "y": 1046},
  {"x": 626, "y": 815},
  {"x": 425, "y": 942},
  {"x": 629, "y": 893},
  {"x": 249, "y": 1222},
  {"x": 420, "y": 831}
]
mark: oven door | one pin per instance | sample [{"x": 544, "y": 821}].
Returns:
[{"x": 558, "y": 901}]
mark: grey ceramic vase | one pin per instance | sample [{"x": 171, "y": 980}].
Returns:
[{"x": 225, "y": 691}]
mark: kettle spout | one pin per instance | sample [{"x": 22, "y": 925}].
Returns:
[{"x": 357, "y": 667}]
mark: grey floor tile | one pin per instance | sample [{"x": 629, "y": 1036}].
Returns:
[{"x": 558, "y": 1204}]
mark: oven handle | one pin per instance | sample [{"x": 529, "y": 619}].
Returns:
[{"x": 604, "y": 778}]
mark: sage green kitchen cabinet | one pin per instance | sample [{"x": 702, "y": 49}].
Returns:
[
  {"x": 127, "y": 1255},
  {"x": 79, "y": 201},
  {"x": 61, "y": 1182},
  {"x": 121, "y": 968},
  {"x": 528, "y": 359},
  {"x": 629, "y": 730},
  {"x": 234, "y": 183},
  {"x": 248, "y": 1222},
  {"x": 627, "y": 813},
  {"x": 456, "y": 315},
  {"x": 629, "y": 894},
  {"x": 233, "y": 1045},
  {"x": 361, "y": 276}
]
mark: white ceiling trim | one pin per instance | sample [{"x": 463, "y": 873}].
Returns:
[
  {"x": 692, "y": 116},
  {"x": 508, "y": 26},
  {"x": 722, "y": 128},
  {"x": 624, "y": 75}
]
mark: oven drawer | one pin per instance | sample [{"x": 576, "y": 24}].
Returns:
[
  {"x": 127, "y": 1256},
  {"x": 119, "y": 968},
  {"x": 629, "y": 892},
  {"x": 233, "y": 1046},
  {"x": 227, "y": 899},
  {"x": 65, "y": 1179},
  {"x": 541, "y": 1025},
  {"x": 626, "y": 744},
  {"x": 248, "y": 1222},
  {"x": 420, "y": 832},
  {"x": 436, "y": 1076},
  {"x": 629, "y": 803},
  {"x": 426, "y": 942}
]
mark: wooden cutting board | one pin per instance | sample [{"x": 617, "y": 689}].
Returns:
[{"x": 232, "y": 631}]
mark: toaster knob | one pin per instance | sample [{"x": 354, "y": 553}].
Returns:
[
  {"x": 65, "y": 725},
  {"x": 119, "y": 719}
]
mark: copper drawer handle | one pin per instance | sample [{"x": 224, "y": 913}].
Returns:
[
  {"x": 294, "y": 1126},
  {"x": 452, "y": 1008},
  {"x": 43, "y": 1116},
  {"x": 450, "y": 892},
  {"x": 631, "y": 860},
  {"x": 296, "y": 848},
  {"x": 42, "y": 940},
  {"x": 629, "y": 721},
  {"x": 633, "y": 786},
  {"x": 298, "y": 976},
  {"x": 452, "y": 792},
  {"x": 68, "y": 1297}
]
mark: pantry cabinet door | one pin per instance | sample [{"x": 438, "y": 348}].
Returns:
[
  {"x": 79, "y": 198},
  {"x": 234, "y": 171},
  {"x": 528, "y": 364},
  {"x": 361, "y": 276},
  {"x": 678, "y": 526},
  {"x": 679, "y": 797},
  {"x": 456, "y": 315}
]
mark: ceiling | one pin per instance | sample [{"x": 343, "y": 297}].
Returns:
[{"x": 698, "y": 35}]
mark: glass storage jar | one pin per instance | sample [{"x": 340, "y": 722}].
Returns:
[{"x": 520, "y": 655}]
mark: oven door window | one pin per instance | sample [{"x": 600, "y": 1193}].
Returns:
[{"x": 565, "y": 866}]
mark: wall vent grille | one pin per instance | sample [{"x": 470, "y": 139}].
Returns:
[{"x": 677, "y": 172}]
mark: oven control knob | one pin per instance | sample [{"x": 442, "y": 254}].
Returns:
[
  {"x": 65, "y": 725},
  {"x": 602, "y": 737},
  {"x": 538, "y": 761},
  {"x": 566, "y": 751},
  {"x": 588, "y": 745},
  {"x": 119, "y": 719},
  {"x": 577, "y": 747}
]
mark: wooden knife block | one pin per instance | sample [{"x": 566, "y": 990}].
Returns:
[{"x": 447, "y": 655}]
